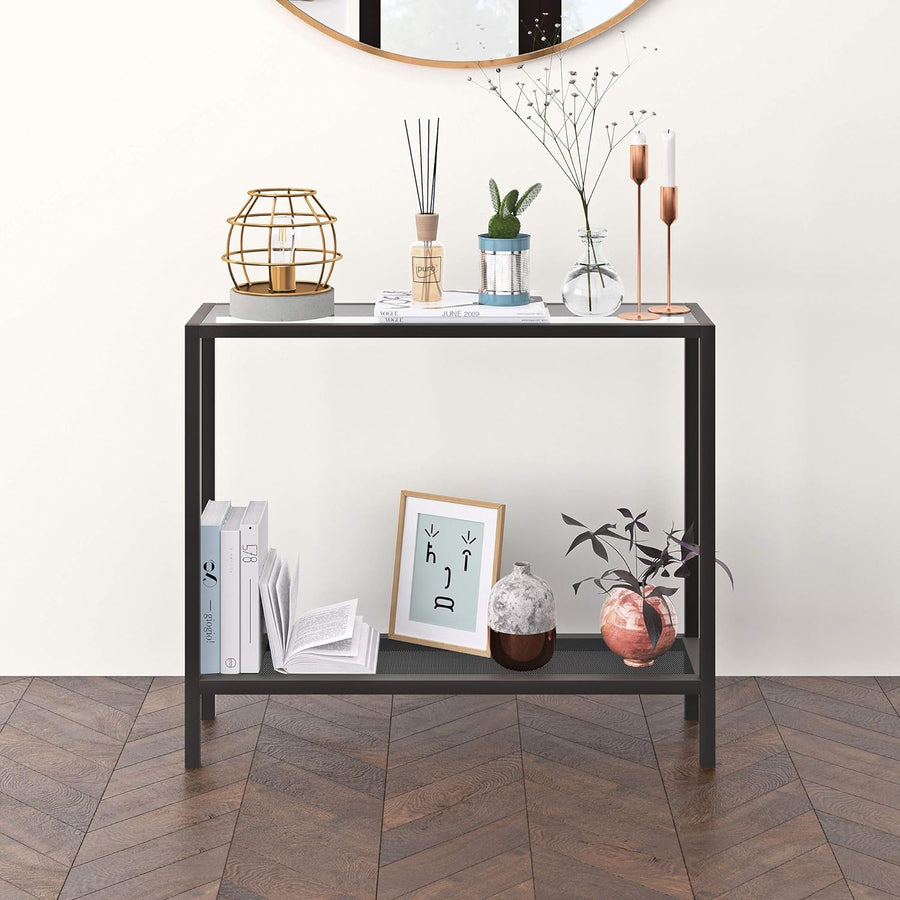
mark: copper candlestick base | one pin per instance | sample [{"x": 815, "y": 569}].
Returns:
[
  {"x": 638, "y": 176},
  {"x": 668, "y": 212}
]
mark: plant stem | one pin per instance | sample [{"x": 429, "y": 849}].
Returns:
[
  {"x": 618, "y": 553},
  {"x": 587, "y": 225},
  {"x": 592, "y": 250}
]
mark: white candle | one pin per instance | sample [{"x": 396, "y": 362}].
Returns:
[
  {"x": 668, "y": 159},
  {"x": 639, "y": 139}
]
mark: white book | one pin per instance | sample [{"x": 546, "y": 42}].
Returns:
[
  {"x": 254, "y": 549},
  {"x": 231, "y": 591},
  {"x": 456, "y": 306},
  {"x": 329, "y": 640}
]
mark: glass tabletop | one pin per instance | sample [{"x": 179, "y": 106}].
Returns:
[{"x": 363, "y": 314}]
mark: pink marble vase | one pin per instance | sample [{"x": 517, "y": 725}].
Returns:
[{"x": 623, "y": 630}]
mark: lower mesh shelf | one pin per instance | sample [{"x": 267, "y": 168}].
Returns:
[{"x": 573, "y": 656}]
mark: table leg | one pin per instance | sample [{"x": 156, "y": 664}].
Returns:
[
  {"x": 707, "y": 541},
  {"x": 208, "y": 421},
  {"x": 192, "y": 510},
  {"x": 691, "y": 499},
  {"x": 207, "y": 459}
]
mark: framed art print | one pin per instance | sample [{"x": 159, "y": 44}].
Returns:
[{"x": 448, "y": 558}]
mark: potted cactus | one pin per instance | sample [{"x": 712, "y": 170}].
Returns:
[{"x": 504, "y": 251}]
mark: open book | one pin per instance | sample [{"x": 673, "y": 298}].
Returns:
[{"x": 330, "y": 640}]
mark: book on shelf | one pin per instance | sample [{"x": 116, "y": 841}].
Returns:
[
  {"x": 210, "y": 584},
  {"x": 254, "y": 536},
  {"x": 329, "y": 640},
  {"x": 230, "y": 607},
  {"x": 456, "y": 306}
]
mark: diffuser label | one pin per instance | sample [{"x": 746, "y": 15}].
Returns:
[{"x": 427, "y": 269}]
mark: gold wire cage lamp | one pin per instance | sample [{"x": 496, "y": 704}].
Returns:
[{"x": 277, "y": 232}]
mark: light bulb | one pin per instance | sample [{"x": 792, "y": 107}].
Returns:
[
  {"x": 282, "y": 239},
  {"x": 282, "y": 277}
]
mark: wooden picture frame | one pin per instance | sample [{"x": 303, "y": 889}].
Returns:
[{"x": 443, "y": 577}]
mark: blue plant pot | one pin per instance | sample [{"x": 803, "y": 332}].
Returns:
[{"x": 505, "y": 264}]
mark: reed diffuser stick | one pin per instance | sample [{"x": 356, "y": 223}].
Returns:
[
  {"x": 428, "y": 161},
  {"x": 421, "y": 166},
  {"x": 425, "y": 173},
  {"x": 437, "y": 142},
  {"x": 413, "y": 166}
]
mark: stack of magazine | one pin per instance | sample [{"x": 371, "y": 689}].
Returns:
[
  {"x": 394, "y": 307},
  {"x": 329, "y": 640}
]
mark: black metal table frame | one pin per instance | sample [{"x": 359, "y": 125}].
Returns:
[{"x": 699, "y": 508}]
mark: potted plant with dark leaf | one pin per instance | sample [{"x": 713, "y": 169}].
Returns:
[
  {"x": 638, "y": 621},
  {"x": 504, "y": 251}
]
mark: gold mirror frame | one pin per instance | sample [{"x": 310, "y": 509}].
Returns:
[{"x": 468, "y": 63}]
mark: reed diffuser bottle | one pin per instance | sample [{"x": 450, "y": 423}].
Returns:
[
  {"x": 427, "y": 258},
  {"x": 426, "y": 252}
]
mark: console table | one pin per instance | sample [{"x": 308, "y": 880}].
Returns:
[{"x": 581, "y": 663}]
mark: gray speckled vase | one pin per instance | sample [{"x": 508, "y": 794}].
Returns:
[{"x": 522, "y": 620}]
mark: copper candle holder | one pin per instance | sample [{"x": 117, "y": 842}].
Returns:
[
  {"x": 638, "y": 176},
  {"x": 668, "y": 212}
]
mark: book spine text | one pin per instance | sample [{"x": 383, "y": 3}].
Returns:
[
  {"x": 251, "y": 609},
  {"x": 210, "y": 599}
]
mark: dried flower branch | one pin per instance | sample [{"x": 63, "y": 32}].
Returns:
[{"x": 565, "y": 119}]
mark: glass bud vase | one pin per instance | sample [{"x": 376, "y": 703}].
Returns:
[{"x": 592, "y": 286}]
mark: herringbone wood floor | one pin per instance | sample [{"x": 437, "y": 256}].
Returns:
[{"x": 449, "y": 796}]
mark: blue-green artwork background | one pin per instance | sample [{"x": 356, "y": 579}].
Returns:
[{"x": 441, "y": 545}]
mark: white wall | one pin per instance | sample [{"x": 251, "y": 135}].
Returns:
[{"x": 129, "y": 137}]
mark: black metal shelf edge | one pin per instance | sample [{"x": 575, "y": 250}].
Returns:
[{"x": 581, "y": 664}]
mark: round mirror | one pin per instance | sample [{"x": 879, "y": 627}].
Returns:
[{"x": 462, "y": 32}]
